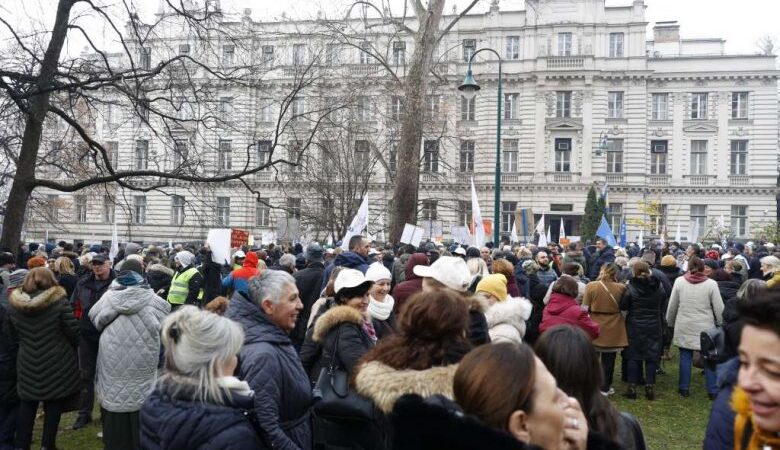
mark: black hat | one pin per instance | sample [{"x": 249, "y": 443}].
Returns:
[
  {"x": 132, "y": 265},
  {"x": 99, "y": 258},
  {"x": 314, "y": 253}
]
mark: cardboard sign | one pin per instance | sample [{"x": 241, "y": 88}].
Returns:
[
  {"x": 412, "y": 234},
  {"x": 238, "y": 238},
  {"x": 219, "y": 242}
]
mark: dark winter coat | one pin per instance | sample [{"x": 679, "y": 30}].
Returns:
[
  {"x": 599, "y": 258},
  {"x": 88, "y": 292},
  {"x": 211, "y": 281},
  {"x": 350, "y": 260},
  {"x": 8, "y": 351},
  {"x": 672, "y": 273},
  {"x": 521, "y": 278},
  {"x": 732, "y": 326},
  {"x": 564, "y": 310},
  {"x": 68, "y": 282},
  {"x": 720, "y": 428},
  {"x": 537, "y": 293},
  {"x": 177, "y": 421},
  {"x": 159, "y": 278},
  {"x": 338, "y": 331},
  {"x": 644, "y": 301},
  {"x": 412, "y": 284},
  {"x": 576, "y": 257},
  {"x": 479, "y": 331},
  {"x": 728, "y": 290},
  {"x": 47, "y": 332},
  {"x": 269, "y": 363},
  {"x": 308, "y": 282}
]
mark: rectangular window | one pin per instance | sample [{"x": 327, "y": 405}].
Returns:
[
  {"x": 332, "y": 52},
  {"x": 513, "y": 47},
  {"x": 739, "y": 218},
  {"x": 266, "y": 111},
  {"x": 268, "y": 55},
  {"x": 615, "y": 156},
  {"x": 659, "y": 151},
  {"x": 739, "y": 155},
  {"x": 739, "y": 105},
  {"x": 508, "y": 216},
  {"x": 511, "y": 103},
  {"x": 294, "y": 155},
  {"x": 226, "y": 108},
  {"x": 263, "y": 213},
  {"x": 177, "y": 210},
  {"x": 228, "y": 56},
  {"x": 615, "y": 105},
  {"x": 429, "y": 210},
  {"x": 224, "y": 155},
  {"x": 112, "y": 116},
  {"x": 468, "y": 108},
  {"x": 293, "y": 208},
  {"x": 112, "y": 148},
  {"x": 464, "y": 213},
  {"x": 469, "y": 47},
  {"x": 699, "y": 105},
  {"x": 467, "y": 156},
  {"x": 363, "y": 109},
  {"x": 365, "y": 53},
  {"x": 698, "y": 157},
  {"x": 184, "y": 49},
  {"x": 263, "y": 152},
  {"x": 431, "y": 156},
  {"x": 509, "y": 155},
  {"x": 80, "y": 202},
  {"x": 563, "y": 154},
  {"x": 362, "y": 154},
  {"x": 223, "y": 211},
  {"x": 396, "y": 108},
  {"x": 298, "y": 108},
  {"x": 139, "y": 209},
  {"x": 109, "y": 208},
  {"x": 660, "y": 105},
  {"x": 564, "y": 44},
  {"x": 616, "y": 45},
  {"x": 180, "y": 152},
  {"x": 432, "y": 105},
  {"x": 145, "y": 58},
  {"x": 143, "y": 110},
  {"x": 615, "y": 216},
  {"x": 53, "y": 207},
  {"x": 658, "y": 218},
  {"x": 699, "y": 218},
  {"x": 141, "y": 154},
  {"x": 399, "y": 53},
  {"x": 299, "y": 54},
  {"x": 563, "y": 104}
]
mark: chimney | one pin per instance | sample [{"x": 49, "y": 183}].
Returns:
[{"x": 664, "y": 32}]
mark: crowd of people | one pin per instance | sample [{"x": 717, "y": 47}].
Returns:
[{"x": 383, "y": 346}]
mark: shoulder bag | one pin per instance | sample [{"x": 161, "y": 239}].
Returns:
[{"x": 714, "y": 350}]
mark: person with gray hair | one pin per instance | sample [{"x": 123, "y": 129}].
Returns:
[
  {"x": 269, "y": 362},
  {"x": 770, "y": 268},
  {"x": 286, "y": 263},
  {"x": 198, "y": 403}
]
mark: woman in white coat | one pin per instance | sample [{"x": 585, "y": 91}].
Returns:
[{"x": 506, "y": 315}]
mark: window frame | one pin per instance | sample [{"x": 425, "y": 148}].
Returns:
[
  {"x": 563, "y": 104},
  {"x": 431, "y": 155},
  {"x": 263, "y": 212},
  {"x": 562, "y": 160},
  {"x": 615, "y": 156},
  {"x": 511, "y": 105},
  {"x": 468, "y": 109},
  {"x": 739, "y": 220},
  {"x": 698, "y": 105},
  {"x": 565, "y": 43},
  {"x": 510, "y": 155},
  {"x": 178, "y": 203},
  {"x": 512, "y": 48},
  {"x": 698, "y": 163},
  {"x": 738, "y": 156},
  {"x": 658, "y": 164},
  {"x": 739, "y": 106},
  {"x": 469, "y": 46},
  {"x": 617, "y": 46},
  {"x": 615, "y": 104},
  {"x": 224, "y": 155},
  {"x": 222, "y": 211},
  {"x": 466, "y": 156},
  {"x": 140, "y": 205},
  {"x": 657, "y": 113}
]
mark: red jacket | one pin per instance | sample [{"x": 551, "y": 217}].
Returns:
[
  {"x": 564, "y": 310},
  {"x": 248, "y": 269},
  {"x": 412, "y": 284}
]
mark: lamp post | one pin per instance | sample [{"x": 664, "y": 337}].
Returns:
[
  {"x": 469, "y": 89},
  {"x": 603, "y": 143}
]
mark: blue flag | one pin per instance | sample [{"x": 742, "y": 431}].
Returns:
[
  {"x": 605, "y": 232},
  {"x": 623, "y": 233}
]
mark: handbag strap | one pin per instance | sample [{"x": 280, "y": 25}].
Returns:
[
  {"x": 334, "y": 354},
  {"x": 610, "y": 293}
]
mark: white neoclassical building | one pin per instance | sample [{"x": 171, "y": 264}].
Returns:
[{"x": 681, "y": 133}]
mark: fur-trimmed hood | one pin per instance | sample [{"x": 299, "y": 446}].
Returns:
[
  {"x": 160, "y": 268},
  {"x": 333, "y": 317},
  {"x": 384, "y": 384},
  {"x": 513, "y": 311},
  {"x": 38, "y": 301}
]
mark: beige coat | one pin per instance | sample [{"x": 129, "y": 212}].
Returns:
[
  {"x": 605, "y": 310},
  {"x": 693, "y": 308}
]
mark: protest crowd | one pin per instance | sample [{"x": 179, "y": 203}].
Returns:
[{"x": 382, "y": 346}]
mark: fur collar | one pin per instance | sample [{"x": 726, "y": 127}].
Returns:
[
  {"x": 333, "y": 317},
  {"x": 513, "y": 310},
  {"x": 384, "y": 384},
  {"x": 160, "y": 268},
  {"x": 41, "y": 300},
  {"x": 479, "y": 304}
]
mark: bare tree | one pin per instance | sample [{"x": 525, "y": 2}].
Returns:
[{"x": 767, "y": 45}]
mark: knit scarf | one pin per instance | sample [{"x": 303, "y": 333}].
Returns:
[
  {"x": 758, "y": 439},
  {"x": 368, "y": 327},
  {"x": 381, "y": 310},
  {"x": 696, "y": 278}
]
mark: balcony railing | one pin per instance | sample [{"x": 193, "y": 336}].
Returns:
[
  {"x": 659, "y": 180},
  {"x": 700, "y": 180},
  {"x": 561, "y": 177},
  {"x": 614, "y": 178},
  {"x": 510, "y": 178},
  {"x": 362, "y": 70},
  {"x": 565, "y": 62},
  {"x": 739, "y": 180}
]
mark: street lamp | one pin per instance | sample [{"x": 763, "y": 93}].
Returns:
[
  {"x": 603, "y": 143},
  {"x": 469, "y": 89}
]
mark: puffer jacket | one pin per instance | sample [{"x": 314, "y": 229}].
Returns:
[
  {"x": 564, "y": 310},
  {"x": 412, "y": 284},
  {"x": 506, "y": 320},
  {"x": 695, "y": 306},
  {"x": 269, "y": 363},
  {"x": 129, "y": 319},
  {"x": 47, "y": 332},
  {"x": 720, "y": 428},
  {"x": 337, "y": 332},
  {"x": 173, "y": 419},
  {"x": 644, "y": 302},
  {"x": 159, "y": 278},
  {"x": 238, "y": 280}
]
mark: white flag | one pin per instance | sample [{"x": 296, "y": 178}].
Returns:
[
  {"x": 114, "y": 244},
  {"x": 359, "y": 223},
  {"x": 330, "y": 240},
  {"x": 476, "y": 214},
  {"x": 382, "y": 228},
  {"x": 513, "y": 237},
  {"x": 640, "y": 241},
  {"x": 548, "y": 236},
  {"x": 693, "y": 235},
  {"x": 542, "y": 236},
  {"x": 562, "y": 233},
  {"x": 678, "y": 235}
]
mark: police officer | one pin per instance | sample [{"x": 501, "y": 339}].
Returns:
[{"x": 187, "y": 282}]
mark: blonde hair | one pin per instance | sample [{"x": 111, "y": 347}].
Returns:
[
  {"x": 63, "y": 264},
  {"x": 39, "y": 279},
  {"x": 477, "y": 266}
]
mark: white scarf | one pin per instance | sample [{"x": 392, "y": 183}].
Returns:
[
  {"x": 381, "y": 310},
  {"x": 235, "y": 385}
]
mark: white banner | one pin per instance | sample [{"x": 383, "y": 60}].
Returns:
[
  {"x": 359, "y": 223},
  {"x": 219, "y": 243},
  {"x": 476, "y": 220},
  {"x": 114, "y": 244}
]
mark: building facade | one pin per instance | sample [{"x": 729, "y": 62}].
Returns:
[{"x": 680, "y": 133}]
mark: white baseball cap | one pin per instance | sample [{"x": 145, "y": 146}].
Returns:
[
  {"x": 450, "y": 271},
  {"x": 349, "y": 278},
  {"x": 460, "y": 251},
  {"x": 239, "y": 254}
]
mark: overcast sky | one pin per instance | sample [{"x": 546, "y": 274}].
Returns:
[{"x": 741, "y": 23}]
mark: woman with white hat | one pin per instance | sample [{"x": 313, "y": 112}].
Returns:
[{"x": 380, "y": 305}]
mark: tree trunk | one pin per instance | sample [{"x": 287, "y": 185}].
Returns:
[
  {"x": 38, "y": 106},
  {"x": 405, "y": 194}
]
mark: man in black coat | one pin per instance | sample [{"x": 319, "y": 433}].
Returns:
[
  {"x": 88, "y": 291},
  {"x": 308, "y": 282},
  {"x": 604, "y": 254}
]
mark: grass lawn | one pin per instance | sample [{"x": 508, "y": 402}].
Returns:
[{"x": 670, "y": 422}]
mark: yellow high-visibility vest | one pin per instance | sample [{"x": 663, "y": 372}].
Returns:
[{"x": 180, "y": 287}]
